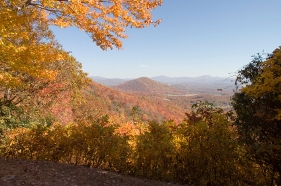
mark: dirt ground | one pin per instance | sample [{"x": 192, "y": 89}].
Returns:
[{"x": 43, "y": 173}]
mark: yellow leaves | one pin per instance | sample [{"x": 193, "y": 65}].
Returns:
[
  {"x": 270, "y": 77},
  {"x": 269, "y": 80},
  {"x": 1, "y": 42},
  {"x": 112, "y": 16},
  {"x": 199, "y": 156},
  {"x": 27, "y": 44},
  {"x": 278, "y": 116},
  {"x": 7, "y": 80},
  {"x": 24, "y": 54},
  {"x": 48, "y": 74},
  {"x": 116, "y": 9}
]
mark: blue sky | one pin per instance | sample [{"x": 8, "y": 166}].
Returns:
[{"x": 195, "y": 37}]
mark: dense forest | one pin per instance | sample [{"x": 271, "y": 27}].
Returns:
[{"x": 50, "y": 110}]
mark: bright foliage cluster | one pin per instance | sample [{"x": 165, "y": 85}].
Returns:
[
  {"x": 268, "y": 80},
  {"x": 200, "y": 152},
  {"x": 27, "y": 46},
  {"x": 104, "y": 20}
]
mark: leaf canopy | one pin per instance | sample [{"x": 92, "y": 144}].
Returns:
[{"x": 104, "y": 20}]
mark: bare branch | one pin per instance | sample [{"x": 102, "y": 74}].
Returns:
[{"x": 42, "y": 7}]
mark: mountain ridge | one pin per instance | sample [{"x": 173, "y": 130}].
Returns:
[
  {"x": 109, "y": 81},
  {"x": 146, "y": 85},
  {"x": 205, "y": 79},
  {"x": 114, "y": 102}
]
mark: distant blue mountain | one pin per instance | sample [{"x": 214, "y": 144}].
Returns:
[
  {"x": 201, "y": 80},
  {"x": 206, "y": 79},
  {"x": 108, "y": 81}
]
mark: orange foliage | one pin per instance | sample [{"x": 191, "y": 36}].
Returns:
[{"x": 104, "y": 21}]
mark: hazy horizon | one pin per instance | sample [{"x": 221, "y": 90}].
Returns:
[{"x": 159, "y": 76}]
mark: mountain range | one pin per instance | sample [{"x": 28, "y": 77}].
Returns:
[
  {"x": 206, "y": 79},
  {"x": 108, "y": 81},
  {"x": 160, "y": 97},
  {"x": 201, "y": 80}
]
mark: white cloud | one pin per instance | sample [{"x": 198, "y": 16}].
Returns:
[{"x": 143, "y": 66}]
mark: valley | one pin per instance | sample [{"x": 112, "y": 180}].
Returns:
[
  {"x": 103, "y": 100},
  {"x": 149, "y": 121},
  {"x": 176, "y": 92}
]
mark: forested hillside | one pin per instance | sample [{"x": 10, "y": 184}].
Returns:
[
  {"x": 105, "y": 100},
  {"x": 181, "y": 95},
  {"x": 148, "y": 86}
]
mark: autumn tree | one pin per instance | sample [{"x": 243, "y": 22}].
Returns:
[
  {"x": 136, "y": 114},
  {"x": 61, "y": 96},
  {"x": 258, "y": 107},
  {"x": 103, "y": 20},
  {"x": 28, "y": 49},
  {"x": 208, "y": 151},
  {"x": 26, "y": 46},
  {"x": 26, "y": 42},
  {"x": 39, "y": 97}
]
